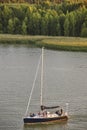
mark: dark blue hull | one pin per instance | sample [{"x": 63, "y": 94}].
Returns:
[{"x": 44, "y": 120}]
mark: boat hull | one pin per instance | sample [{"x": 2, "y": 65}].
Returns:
[{"x": 31, "y": 121}]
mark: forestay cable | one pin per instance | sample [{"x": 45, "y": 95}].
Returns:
[{"x": 33, "y": 87}]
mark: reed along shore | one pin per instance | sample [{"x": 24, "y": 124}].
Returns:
[{"x": 49, "y": 42}]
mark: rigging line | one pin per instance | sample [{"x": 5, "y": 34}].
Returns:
[
  {"x": 42, "y": 74},
  {"x": 33, "y": 86}
]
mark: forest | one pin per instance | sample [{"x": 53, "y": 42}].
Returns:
[
  {"x": 47, "y": 17},
  {"x": 41, "y": 1}
]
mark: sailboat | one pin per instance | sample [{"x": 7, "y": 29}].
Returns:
[{"x": 44, "y": 116}]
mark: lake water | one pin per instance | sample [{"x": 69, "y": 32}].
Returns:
[{"x": 65, "y": 80}]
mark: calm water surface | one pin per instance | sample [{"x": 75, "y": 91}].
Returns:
[{"x": 65, "y": 80}]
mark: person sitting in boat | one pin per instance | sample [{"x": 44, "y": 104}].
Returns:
[
  {"x": 45, "y": 113},
  {"x": 59, "y": 112},
  {"x": 39, "y": 113},
  {"x": 32, "y": 114}
]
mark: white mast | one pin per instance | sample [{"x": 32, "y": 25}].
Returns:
[{"x": 42, "y": 74}]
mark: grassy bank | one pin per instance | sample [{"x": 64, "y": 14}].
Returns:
[{"x": 49, "y": 42}]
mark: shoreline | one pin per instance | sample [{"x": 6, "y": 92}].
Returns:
[{"x": 49, "y": 42}]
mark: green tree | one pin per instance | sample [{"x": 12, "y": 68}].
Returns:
[
  {"x": 84, "y": 30},
  {"x": 24, "y": 26},
  {"x": 61, "y": 22},
  {"x": 36, "y": 23},
  {"x": 66, "y": 27},
  {"x": 52, "y": 22},
  {"x": 17, "y": 25},
  {"x": 28, "y": 14},
  {"x": 80, "y": 18},
  {"x": 72, "y": 23},
  {"x": 69, "y": 24},
  {"x": 58, "y": 29},
  {"x": 44, "y": 26},
  {"x": 1, "y": 31},
  {"x": 14, "y": 26},
  {"x": 6, "y": 14},
  {"x": 10, "y": 26}
]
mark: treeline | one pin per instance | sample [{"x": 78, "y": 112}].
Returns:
[
  {"x": 41, "y": 1},
  {"x": 63, "y": 19}
]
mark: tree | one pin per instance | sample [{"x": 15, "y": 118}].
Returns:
[
  {"x": 66, "y": 27},
  {"x": 72, "y": 23},
  {"x": 84, "y": 30},
  {"x": 14, "y": 26},
  {"x": 69, "y": 24},
  {"x": 36, "y": 23},
  {"x": 24, "y": 26},
  {"x": 58, "y": 29},
  {"x": 80, "y": 18},
  {"x": 44, "y": 26},
  {"x": 52, "y": 22},
  {"x": 28, "y": 15},
  {"x": 6, "y": 14},
  {"x": 61, "y": 22},
  {"x": 17, "y": 25},
  {"x": 1, "y": 31},
  {"x": 10, "y": 26}
]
